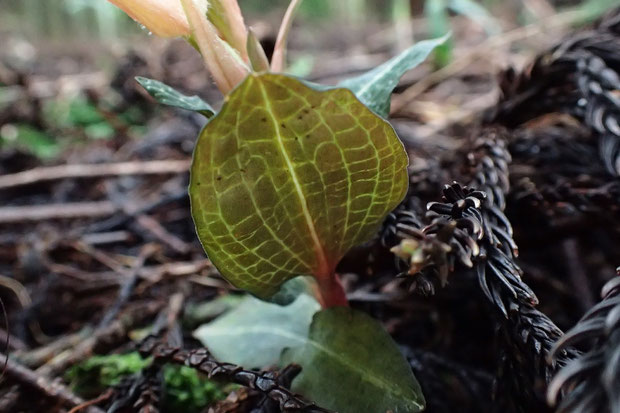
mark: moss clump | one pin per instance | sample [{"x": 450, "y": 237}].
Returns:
[{"x": 184, "y": 389}]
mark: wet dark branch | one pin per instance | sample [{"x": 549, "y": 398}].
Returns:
[
  {"x": 591, "y": 382},
  {"x": 599, "y": 85},
  {"x": 470, "y": 236},
  {"x": 467, "y": 386},
  {"x": 55, "y": 391},
  {"x": 467, "y": 230},
  {"x": 204, "y": 362},
  {"x": 139, "y": 393}
]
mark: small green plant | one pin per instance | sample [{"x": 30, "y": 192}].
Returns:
[
  {"x": 64, "y": 122},
  {"x": 286, "y": 178},
  {"x": 187, "y": 391},
  {"x": 29, "y": 139},
  {"x": 184, "y": 389},
  {"x": 99, "y": 372}
]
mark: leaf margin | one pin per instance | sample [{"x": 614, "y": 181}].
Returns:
[
  {"x": 378, "y": 98},
  {"x": 169, "y": 96},
  {"x": 351, "y": 319},
  {"x": 317, "y": 88}
]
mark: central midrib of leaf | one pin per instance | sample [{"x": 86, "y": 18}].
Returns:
[
  {"x": 324, "y": 267},
  {"x": 285, "y": 179},
  {"x": 376, "y": 381}
]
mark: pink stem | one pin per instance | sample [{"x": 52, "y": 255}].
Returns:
[
  {"x": 330, "y": 292},
  {"x": 278, "y": 59}
]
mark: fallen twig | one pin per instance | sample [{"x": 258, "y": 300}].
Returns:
[
  {"x": 118, "y": 328},
  {"x": 86, "y": 404},
  {"x": 152, "y": 273},
  {"x": 36, "y": 357},
  {"x": 128, "y": 286},
  {"x": 94, "y": 170},
  {"x": 558, "y": 21},
  {"x": 52, "y": 389},
  {"x": 25, "y": 301},
  {"x": 11, "y": 215},
  {"x": 203, "y": 361},
  {"x": 13, "y": 342},
  {"x": 158, "y": 231},
  {"x": 105, "y": 238}
]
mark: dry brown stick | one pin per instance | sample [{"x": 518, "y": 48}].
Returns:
[
  {"x": 11, "y": 215},
  {"x": 127, "y": 288},
  {"x": 23, "y": 297},
  {"x": 102, "y": 257},
  {"x": 110, "y": 279},
  {"x": 151, "y": 225},
  {"x": 175, "y": 307},
  {"x": 475, "y": 106},
  {"x": 110, "y": 237},
  {"x": 95, "y": 170},
  {"x": 52, "y": 389},
  {"x": 168, "y": 318},
  {"x": 14, "y": 342},
  {"x": 99, "y": 399},
  {"x": 36, "y": 357},
  {"x": 175, "y": 269},
  {"x": 151, "y": 273},
  {"x": 558, "y": 21},
  {"x": 116, "y": 329}
]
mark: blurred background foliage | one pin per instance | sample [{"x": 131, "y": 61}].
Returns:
[
  {"x": 66, "y": 52},
  {"x": 99, "y": 19},
  {"x": 185, "y": 390},
  {"x": 90, "y": 18},
  {"x": 67, "y": 71}
]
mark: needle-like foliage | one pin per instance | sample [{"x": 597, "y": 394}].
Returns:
[
  {"x": 468, "y": 232},
  {"x": 591, "y": 382}
]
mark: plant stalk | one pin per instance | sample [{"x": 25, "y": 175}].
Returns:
[{"x": 330, "y": 292}]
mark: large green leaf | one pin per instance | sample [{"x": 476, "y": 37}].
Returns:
[
  {"x": 286, "y": 179},
  {"x": 254, "y": 334},
  {"x": 374, "y": 88},
  {"x": 350, "y": 364},
  {"x": 167, "y": 95}
]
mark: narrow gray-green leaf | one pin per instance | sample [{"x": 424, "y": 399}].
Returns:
[
  {"x": 254, "y": 334},
  {"x": 350, "y": 364},
  {"x": 374, "y": 88},
  {"x": 166, "y": 95}
]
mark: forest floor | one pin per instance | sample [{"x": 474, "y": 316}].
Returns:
[{"x": 98, "y": 248}]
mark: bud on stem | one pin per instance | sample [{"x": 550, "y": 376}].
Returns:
[
  {"x": 225, "y": 65},
  {"x": 164, "y": 18},
  {"x": 330, "y": 292}
]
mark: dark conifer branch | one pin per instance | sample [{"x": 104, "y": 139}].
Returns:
[
  {"x": 139, "y": 393},
  {"x": 204, "y": 362},
  {"x": 468, "y": 230},
  {"x": 591, "y": 382},
  {"x": 599, "y": 85}
]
